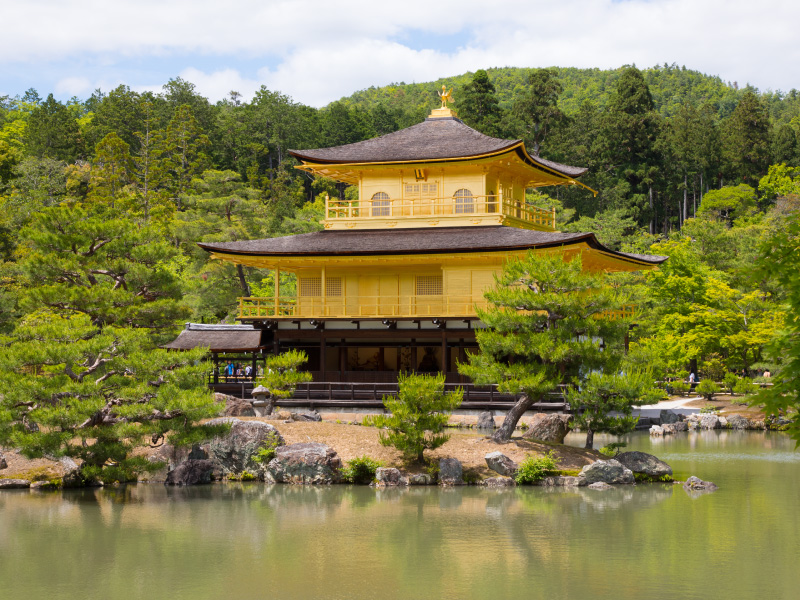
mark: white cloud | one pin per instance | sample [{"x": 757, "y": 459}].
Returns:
[
  {"x": 318, "y": 50},
  {"x": 73, "y": 86}
]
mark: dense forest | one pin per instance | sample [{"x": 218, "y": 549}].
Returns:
[{"x": 103, "y": 199}]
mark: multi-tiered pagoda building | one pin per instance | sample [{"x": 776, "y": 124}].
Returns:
[{"x": 393, "y": 281}]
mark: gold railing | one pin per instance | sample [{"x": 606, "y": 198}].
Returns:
[
  {"x": 473, "y": 206},
  {"x": 317, "y": 307},
  {"x": 359, "y": 307}
]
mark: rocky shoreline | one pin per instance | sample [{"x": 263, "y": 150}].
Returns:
[
  {"x": 256, "y": 450},
  {"x": 669, "y": 423}
]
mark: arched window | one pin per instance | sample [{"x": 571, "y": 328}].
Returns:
[
  {"x": 380, "y": 205},
  {"x": 464, "y": 201}
]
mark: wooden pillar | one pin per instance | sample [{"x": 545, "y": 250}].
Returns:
[
  {"x": 443, "y": 367},
  {"x": 215, "y": 358},
  {"x": 324, "y": 292},
  {"x": 277, "y": 290},
  {"x": 322, "y": 355},
  {"x": 413, "y": 356}
]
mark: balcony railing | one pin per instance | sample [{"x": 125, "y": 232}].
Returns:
[
  {"x": 359, "y": 307},
  {"x": 471, "y": 206},
  {"x": 423, "y": 306}
]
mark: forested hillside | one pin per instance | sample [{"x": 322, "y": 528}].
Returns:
[{"x": 104, "y": 198}]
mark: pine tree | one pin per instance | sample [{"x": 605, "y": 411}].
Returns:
[
  {"x": 185, "y": 146},
  {"x": 547, "y": 326},
  {"x": 537, "y": 107},
  {"x": 746, "y": 134},
  {"x": 478, "y": 105}
]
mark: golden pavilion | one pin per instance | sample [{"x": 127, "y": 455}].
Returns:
[{"x": 393, "y": 281}]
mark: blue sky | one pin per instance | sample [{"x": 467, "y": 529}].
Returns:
[{"x": 320, "y": 50}]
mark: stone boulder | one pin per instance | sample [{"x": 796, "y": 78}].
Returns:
[
  {"x": 668, "y": 417},
  {"x": 3, "y": 463},
  {"x": 308, "y": 415},
  {"x": 44, "y": 486},
  {"x": 548, "y": 428},
  {"x": 647, "y": 464},
  {"x": 709, "y": 421},
  {"x": 305, "y": 463},
  {"x": 668, "y": 429},
  {"x": 191, "y": 472},
  {"x": 14, "y": 484},
  {"x": 236, "y": 451},
  {"x": 656, "y": 431},
  {"x": 387, "y": 476},
  {"x": 599, "y": 485},
  {"x": 679, "y": 426},
  {"x": 723, "y": 422},
  {"x": 561, "y": 481},
  {"x": 420, "y": 479},
  {"x": 608, "y": 471},
  {"x": 450, "y": 472},
  {"x": 236, "y": 407},
  {"x": 738, "y": 422},
  {"x": 486, "y": 420},
  {"x": 500, "y": 463},
  {"x": 498, "y": 482},
  {"x": 695, "y": 484}
]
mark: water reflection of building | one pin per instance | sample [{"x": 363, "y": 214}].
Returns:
[{"x": 393, "y": 282}]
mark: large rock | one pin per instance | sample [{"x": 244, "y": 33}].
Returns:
[
  {"x": 668, "y": 428},
  {"x": 387, "y": 476},
  {"x": 236, "y": 451},
  {"x": 599, "y": 485},
  {"x": 548, "y": 428},
  {"x": 45, "y": 485},
  {"x": 308, "y": 415},
  {"x": 236, "y": 407},
  {"x": 561, "y": 481},
  {"x": 420, "y": 479},
  {"x": 450, "y": 472},
  {"x": 667, "y": 417},
  {"x": 709, "y": 422},
  {"x": 647, "y": 464},
  {"x": 656, "y": 430},
  {"x": 679, "y": 426},
  {"x": 14, "y": 484},
  {"x": 498, "y": 482},
  {"x": 738, "y": 422},
  {"x": 191, "y": 472},
  {"x": 486, "y": 420},
  {"x": 305, "y": 463},
  {"x": 500, "y": 463},
  {"x": 3, "y": 463},
  {"x": 608, "y": 471},
  {"x": 695, "y": 484}
]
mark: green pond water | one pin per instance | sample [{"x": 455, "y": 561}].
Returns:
[{"x": 258, "y": 541}]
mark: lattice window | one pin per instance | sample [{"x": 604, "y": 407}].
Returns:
[
  {"x": 311, "y": 287},
  {"x": 380, "y": 205},
  {"x": 333, "y": 286},
  {"x": 421, "y": 190},
  {"x": 429, "y": 285},
  {"x": 464, "y": 201}
]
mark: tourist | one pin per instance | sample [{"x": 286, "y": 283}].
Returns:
[
  {"x": 767, "y": 374},
  {"x": 248, "y": 372},
  {"x": 692, "y": 377},
  {"x": 229, "y": 370}
]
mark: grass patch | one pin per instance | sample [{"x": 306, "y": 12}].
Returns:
[{"x": 645, "y": 478}]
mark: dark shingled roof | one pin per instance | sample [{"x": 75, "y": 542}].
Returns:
[
  {"x": 433, "y": 139},
  {"x": 440, "y": 240},
  {"x": 217, "y": 338}
]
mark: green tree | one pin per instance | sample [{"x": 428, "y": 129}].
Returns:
[
  {"x": 478, "y": 105},
  {"x": 547, "y": 326},
  {"x": 417, "y": 415},
  {"x": 95, "y": 261},
  {"x": 185, "y": 147},
  {"x": 746, "y": 136},
  {"x": 95, "y": 393},
  {"x": 729, "y": 202},
  {"x": 780, "y": 257},
  {"x": 112, "y": 169},
  {"x": 282, "y": 375},
  {"x": 604, "y": 402},
  {"x": 150, "y": 172},
  {"x": 52, "y": 132},
  {"x": 537, "y": 107}
]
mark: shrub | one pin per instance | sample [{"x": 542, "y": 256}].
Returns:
[
  {"x": 708, "y": 410},
  {"x": 612, "y": 449},
  {"x": 731, "y": 380},
  {"x": 418, "y": 416},
  {"x": 745, "y": 387},
  {"x": 361, "y": 470},
  {"x": 267, "y": 451},
  {"x": 680, "y": 388},
  {"x": 707, "y": 389},
  {"x": 533, "y": 469},
  {"x": 714, "y": 367}
]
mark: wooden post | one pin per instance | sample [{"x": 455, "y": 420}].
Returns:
[
  {"x": 277, "y": 290},
  {"x": 322, "y": 354},
  {"x": 324, "y": 292}
]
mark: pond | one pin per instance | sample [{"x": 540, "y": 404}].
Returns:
[{"x": 255, "y": 541}]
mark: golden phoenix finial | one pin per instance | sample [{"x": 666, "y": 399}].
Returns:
[{"x": 446, "y": 96}]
